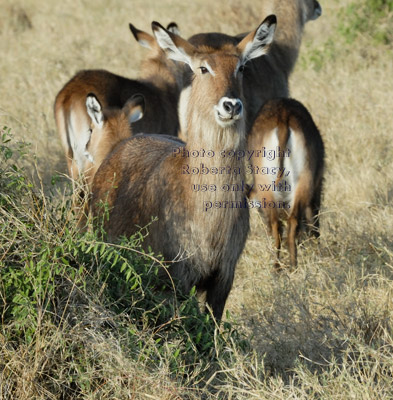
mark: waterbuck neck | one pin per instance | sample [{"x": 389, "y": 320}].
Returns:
[
  {"x": 161, "y": 75},
  {"x": 219, "y": 172},
  {"x": 291, "y": 20}
]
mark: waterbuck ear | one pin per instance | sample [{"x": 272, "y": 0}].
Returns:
[
  {"x": 175, "y": 47},
  {"x": 172, "y": 27},
  {"x": 94, "y": 110},
  {"x": 135, "y": 108},
  {"x": 143, "y": 38},
  {"x": 257, "y": 43}
]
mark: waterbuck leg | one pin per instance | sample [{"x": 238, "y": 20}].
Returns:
[{"x": 218, "y": 289}]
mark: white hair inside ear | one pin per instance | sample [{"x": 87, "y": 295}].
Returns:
[
  {"x": 172, "y": 27},
  {"x": 173, "y": 52},
  {"x": 94, "y": 110},
  {"x": 263, "y": 37}
]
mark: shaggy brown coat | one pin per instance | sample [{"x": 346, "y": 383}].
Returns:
[{"x": 146, "y": 176}]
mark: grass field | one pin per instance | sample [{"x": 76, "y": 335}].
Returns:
[{"x": 324, "y": 331}]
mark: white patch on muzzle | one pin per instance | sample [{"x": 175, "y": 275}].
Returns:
[{"x": 228, "y": 111}]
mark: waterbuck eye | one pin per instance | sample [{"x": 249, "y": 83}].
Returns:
[{"x": 204, "y": 70}]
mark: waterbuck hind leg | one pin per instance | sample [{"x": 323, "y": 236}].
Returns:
[
  {"x": 292, "y": 234},
  {"x": 275, "y": 228}
]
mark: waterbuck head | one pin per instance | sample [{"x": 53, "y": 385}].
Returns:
[
  {"x": 311, "y": 10},
  {"x": 215, "y": 97},
  {"x": 109, "y": 126}
]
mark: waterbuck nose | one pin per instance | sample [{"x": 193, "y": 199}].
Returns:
[
  {"x": 228, "y": 111},
  {"x": 233, "y": 107}
]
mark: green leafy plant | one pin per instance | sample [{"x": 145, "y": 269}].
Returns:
[
  {"x": 53, "y": 275},
  {"x": 370, "y": 17}
]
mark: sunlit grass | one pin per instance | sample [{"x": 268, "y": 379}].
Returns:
[{"x": 323, "y": 331}]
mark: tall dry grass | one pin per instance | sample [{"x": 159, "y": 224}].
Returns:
[{"x": 323, "y": 331}]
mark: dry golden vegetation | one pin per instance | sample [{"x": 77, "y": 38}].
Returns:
[{"x": 324, "y": 331}]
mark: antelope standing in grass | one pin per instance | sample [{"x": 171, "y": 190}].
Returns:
[
  {"x": 286, "y": 126},
  {"x": 151, "y": 176},
  {"x": 265, "y": 77},
  {"x": 160, "y": 87}
]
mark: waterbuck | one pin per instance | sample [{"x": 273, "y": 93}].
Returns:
[
  {"x": 109, "y": 127},
  {"x": 147, "y": 176},
  {"x": 265, "y": 77},
  {"x": 286, "y": 131},
  {"x": 159, "y": 86}
]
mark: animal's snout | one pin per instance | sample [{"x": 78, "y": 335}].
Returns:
[
  {"x": 233, "y": 107},
  {"x": 228, "y": 110}
]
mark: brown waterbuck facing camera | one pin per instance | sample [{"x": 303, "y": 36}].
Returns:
[
  {"x": 265, "y": 77},
  {"x": 145, "y": 176}
]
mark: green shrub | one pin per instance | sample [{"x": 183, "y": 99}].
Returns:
[{"x": 52, "y": 275}]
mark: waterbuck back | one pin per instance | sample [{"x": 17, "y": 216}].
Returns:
[
  {"x": 160, "y": 88},
  {"x": 287, "y": 164}
]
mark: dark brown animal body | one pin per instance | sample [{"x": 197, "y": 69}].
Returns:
[
  {"x": 147, "y": 176},
  {"x": 293, "y": 192}
]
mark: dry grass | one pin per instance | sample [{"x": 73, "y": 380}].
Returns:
[{"x": 323, "y": 331}]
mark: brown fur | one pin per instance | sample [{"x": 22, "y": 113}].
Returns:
[
  {"x": 160, "y": 87},
  {"x": 142, "y": 179},
  {"x": 267, "y": 77},
  {"x": 279, "y": 122},
  {"x": 104, "y": 137},
  {"x": 103, "y": 141}
]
